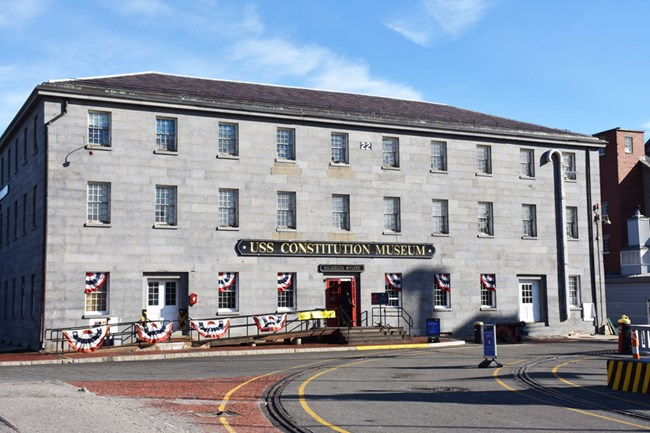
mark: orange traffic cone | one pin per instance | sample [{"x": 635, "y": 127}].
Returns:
[{"x": 635, "y": 344}]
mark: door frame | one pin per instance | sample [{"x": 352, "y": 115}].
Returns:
[
  {"x": 540, "y": 303},
  {"x": 338, "y": 283}
]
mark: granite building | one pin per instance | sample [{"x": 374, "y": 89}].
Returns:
[{"x": 129, "y": 193}]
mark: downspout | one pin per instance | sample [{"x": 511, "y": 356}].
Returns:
[
  {"x": 554, "y": 156},
  {"x": 46, "y": 145}
]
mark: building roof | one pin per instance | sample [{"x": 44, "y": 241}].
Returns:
[{"x": 151, "y": 86}]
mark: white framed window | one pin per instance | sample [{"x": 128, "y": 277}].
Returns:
[
  {"x": 286, "y": 210},
  {"x": 228, "y": 292},
  {"x": 483, "y": 159},
  {"x": 574, "y": 291},
  {"x": 228, "y": 139},
  {"x": 339, "y": 143},
  {"x": 628, "y": 144},
  {"x": 440, "y": 217},
  {"x": 569, "y": 165},
  {"x": 439, "y": 156},
  {"x": 606, "y": 244},
  {"x": 529, "y": 220},
  {"x": 99, "y": 133},
  {"x": 165, "y": 205},
  {"x": 286, "y": 145},
  {"x": 341, "y": 212},
  {"x": 228, "y": 208},
  {"x": 286, "y": 291},
  {"x": 392, "y": 214},
  {"x": 488, "y": 291},
  {"x": 390, "y": 149},
  {"x": 98, "y": 203},
  {"x": 572, "y": 222},
  {"x": 604, "y": 211},
  {"x": 442, "y": 291},
  {"x": 393, "y": 288},
  {"x": 527, "y": 162},
  {"x": 96, "y": 293},
  {"x": 166, "y": 134},
  {"x": 485, "y": 218}
]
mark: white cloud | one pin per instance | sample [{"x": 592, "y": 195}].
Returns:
[{"x": 17, "y": 13}]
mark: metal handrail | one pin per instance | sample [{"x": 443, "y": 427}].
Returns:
[{"x": 384, "y": 312}]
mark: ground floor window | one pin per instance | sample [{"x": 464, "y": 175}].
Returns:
[
  {"x": 96, "y": 293},
  {"x": 394, "y": 289},
  {"x": 286, "y": 291},
  {"x": 228, "y": 285},
  {"x": 574, "y": 291},
  {"x": 488, "y": 291},
  {"x": 442, "y": 291}
]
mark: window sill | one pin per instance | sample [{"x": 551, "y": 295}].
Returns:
[
  {"x": 488, "y": 309},
  {"x": 285, "y": 161},
  {"x": 529, "y": 238},
  {"x": 440, "y": 235},
  {"x": 391, "y": 233},
  {"x": 165, "y": 227},
  {"x": 570, "y": 179},
  {"x": 572, "y": 239},
  {"x": 100, "y": 147},
  {"x": 103, "y": 225},
  {"x": 286, "y": 310},
  {"x": 166, "y": 152},
  {"x": 339, "y": 164},
  {"x": 527, "y": 177},
  {"x": 390, "y": 168},
  {"x": 286, "y": 229},
  {"x": 434, "y": 170},
  {"x": 228, "y": 228},
  {"x": 442, "y": 309},
  {"x": 229, "y": 313},
  {"x": 481, "y": 174},
  {"x": 227, "y": 156},
  {"x": 94, "y": 316},
  {"x": 485, "y": 235}
]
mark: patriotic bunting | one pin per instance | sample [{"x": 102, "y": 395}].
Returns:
[
  {"x": 87, "y": 340},
  {"x": 154, "y": 332},
  {"x": 226, "y": 279},
  {"x": 489, "y": 281},
  {"x": 270, "y": 322},
  {"x": 443, "y": 282},
  {"x": 394, "y": 281},
  {"x": 94, "y": 281},
  {"x": 211, "y": 328},
  {"x": 285, "y": 280}
]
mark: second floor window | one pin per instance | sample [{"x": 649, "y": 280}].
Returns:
[
  {"x": 228, "y": 139},
  {"x": 629, "y": 144},
  {"x": 286, "y": 144},
  {"x": 392, "y": 214},
  {"x": 483, "y": 159},
  {"x": 341, "y": 212},
  {"x": 527, "y": 162},
  {"x": 228, "y": 203},
  {"x": 391, "y": 152},
  {"x": 166, "y": 205},
  {"x": 485, "y": 218},
  {"x": 438, "y": 156},
  {"x": 529, "y": 220},
  {"x": 339, "y": 143},
  {"x": 286, "y": 210},
  {"x": 166, "y": 135},
  {"x": 569, "y": 165},
  {"x": 440, "y": 217},
  {"x": 99, "y": 194},
  {"x": 99, "y": 129},
  {"x": 572, "y": 222}
]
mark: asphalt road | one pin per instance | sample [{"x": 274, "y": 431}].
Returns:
[{"x": 411, "y": 390}]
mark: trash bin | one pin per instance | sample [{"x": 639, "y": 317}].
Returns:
[
  {"x": 624, "y": 335},
  {"x": 433, "y": 330},
  {"x": 478, "y": 332}
]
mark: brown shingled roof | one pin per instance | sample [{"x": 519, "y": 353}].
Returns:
[{"x": 177, "y": 87}]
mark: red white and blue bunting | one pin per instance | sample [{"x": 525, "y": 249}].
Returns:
[
  {"x": 285, "y": 280},
  {"x": 443, "y": 282},
  {"x": 270, "y": 322},
  {"x": 211, "y": 328},
  {"x": 226, "y": 280},
  {"x": 87, "y": 340},
  {"x": 489, "y": 281},
  {"x": 154, "y": 332},
  {"x": 94, "y": 281},
  {"x": 394, "y": 281}
]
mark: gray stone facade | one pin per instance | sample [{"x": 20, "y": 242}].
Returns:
[{"x": 55, "y": 253}]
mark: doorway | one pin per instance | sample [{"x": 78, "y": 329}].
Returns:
[
  {"x": 341, "y": 296},
  {"x": 529, "y": 304},
  {"x": 162, "y": 300}
]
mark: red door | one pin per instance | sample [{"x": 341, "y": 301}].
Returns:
[{"x": 341, "y": 296}]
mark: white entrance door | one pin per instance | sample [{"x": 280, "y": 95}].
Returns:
[
  {"x": 529, "y": 301},
  {"x": 162, "y": 300}
]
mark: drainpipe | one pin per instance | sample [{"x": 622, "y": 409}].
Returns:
[
  {"x": 46, "y": 145},
  {"x": 554, "y": 156}
]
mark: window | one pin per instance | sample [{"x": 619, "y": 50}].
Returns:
[
  {"x": 574, "y": 291},
  {"x": 286, "y": 210},
  {"x": 605, "y": 244},
  {"x": 228, "y": 139},
  {"x": 485, "y": 218},
  {"x": 24, "y": 221},
  {"x": 24, "y": 146},
  {"x": 527, "y": 162},
  {"x": 339, "y": 143},
  {"x": 228, "y": 205},
  {"x": 286, "y": 146},
  {"x": 8, "y": 224},
  {"x": 488, "y": 291},
  {"x": 21, "y": 307},
  {"x": 604, "y": 211},
  {"x": 99, "y": 129},
  {"x": 341, "y": 212},
  {"x": 34, "y": 202},
  {"x": 16, "y": 155},
  {"x": 165, "y": 205},
  {"x": 529, "y": 220},
  {"x": 228, "y": 291},
  {"x": 15, "y": 219},
  {"x": 99, "y": 206},
  {"x": 8, "y": 163},
  {"x": 32, "y": 302},
  {"x": 392, "y": 214},
  {"x": 483, "y": 159},
  {"x": 1, "y": 227},
  {"x": 572, "y": 222},
  {"x": 393, "y": 288},
  {"x": 629, "y": 144},
  {"x": 438, "y": 156},
  {"x": 166, "y": 135},
  {"x": 286, "y": 291},
  {"x": 97, "y": 286},
  {"x": 569, "y": 165},
  {"x": 391, "y": 152},
  {"x": 440, "y": 217},
  {"x": 2, "y": 171},
  {"x": 35, "y": 133},
  {"x": 442, "y": 291}
]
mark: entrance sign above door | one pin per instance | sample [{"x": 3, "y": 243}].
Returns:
[
  {"x": 340, "y": 268},
  {"x": 375, "y": 250}
]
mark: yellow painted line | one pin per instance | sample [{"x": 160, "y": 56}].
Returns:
[
  {"x": 639, "y": 426},
  {"x": 395, "y": 346},
  {"x": 303, "y": 400}
]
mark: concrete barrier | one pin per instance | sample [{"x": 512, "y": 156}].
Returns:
[{"x": 630, "y": 375}]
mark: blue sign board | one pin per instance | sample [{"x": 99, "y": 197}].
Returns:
[{"x": 489, "y": 341}]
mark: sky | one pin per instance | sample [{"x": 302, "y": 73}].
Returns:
[{"x": 579, "y": 65}]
